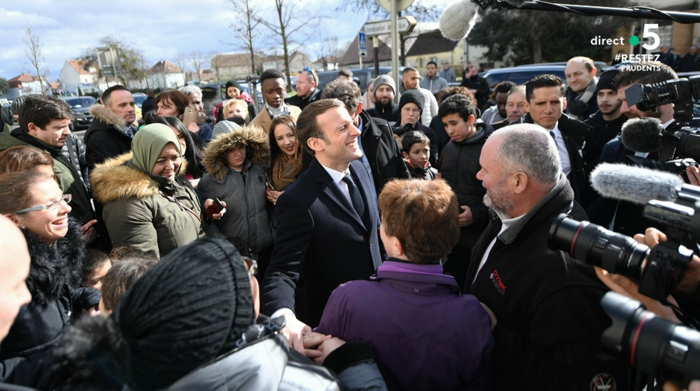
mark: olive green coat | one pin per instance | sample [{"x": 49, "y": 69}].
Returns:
[
  {"x": 139, "y": 214},
  {"x": 81, "y": 205}
]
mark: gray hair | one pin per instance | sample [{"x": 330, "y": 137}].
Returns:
[
  {"x": 191, "y": 90},
  {"x": 530, "y": 147}
]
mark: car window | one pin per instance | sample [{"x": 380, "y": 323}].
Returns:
[{"x": 76, "y": 103}]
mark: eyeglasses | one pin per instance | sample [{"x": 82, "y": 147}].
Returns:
[
  {"x": 53, "y": 205},
  {"x": 251, "y": 265}
]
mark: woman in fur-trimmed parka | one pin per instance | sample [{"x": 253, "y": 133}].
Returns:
[
  {"x": 148, "y": 205},
  {"x": 236, "y": 166}
]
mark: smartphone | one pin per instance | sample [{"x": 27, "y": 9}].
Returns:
[{"x": 215, "y": 207}]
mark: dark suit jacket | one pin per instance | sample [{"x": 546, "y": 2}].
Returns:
[
  {"x": 575, "y": 134},
  {"x": 320, "y": 243}
]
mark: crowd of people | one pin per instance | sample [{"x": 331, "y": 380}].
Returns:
[{"x": 392, "y": 240}]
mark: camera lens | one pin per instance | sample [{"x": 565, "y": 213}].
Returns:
[{"x": 598, "y": 246}]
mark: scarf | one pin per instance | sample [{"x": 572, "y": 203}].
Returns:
[{"x": 285, "y": 170}]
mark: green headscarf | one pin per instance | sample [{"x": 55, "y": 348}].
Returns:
[{"x": 148, "y": 143}]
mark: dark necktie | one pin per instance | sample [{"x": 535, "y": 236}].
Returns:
[{"x": 355, "y": 196}]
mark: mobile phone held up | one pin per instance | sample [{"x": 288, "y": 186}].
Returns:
[{"x": 216, "y": 207}]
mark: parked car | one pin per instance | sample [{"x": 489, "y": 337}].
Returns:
[
  {"x": 80, "y": 106},
  {"x": 522, "y": 73},
  {"x": 139, "y": 98},
  {"x": 364, "y": 75}
]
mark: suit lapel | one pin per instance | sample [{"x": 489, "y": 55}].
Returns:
[{"x": 331, "y": 190}]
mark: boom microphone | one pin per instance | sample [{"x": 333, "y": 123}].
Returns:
[
  {"x": 642, "y": 134},
  {"x": 635, "y": 184},
  {"x": 458, "y": 20}
]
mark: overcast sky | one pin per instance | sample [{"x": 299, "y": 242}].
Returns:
[{"x": 161, "y": 29}]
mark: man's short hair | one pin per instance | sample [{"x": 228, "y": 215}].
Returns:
[
  {"x": 530, "y": 148},
  {"x": 588, "y": 63},
  {"x": 191, "y": 90},
  {"x": 431, "y": 62},
  {"x": 459, "y": 104},
  {"x": 422, "y": 215},
  {"x": 108, "y": 93},
  {"x": 345, "y": 91},
  {"x": 503, "y": 87},
  {"x": 121, "y": 276},
  {"x": 42, "y": 109},
  {"x": 413, "y": 137},
  {"x": 546, "y": 80},
  {"x": 271, "y": 74},
  {"x": 643, "y": 73},
  {"x": 311, "y": 74},
  {"x": 408, "y": 69},
  {"x": 307, "y": 125}
]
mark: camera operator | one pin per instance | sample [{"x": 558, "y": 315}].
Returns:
[{"x": 621, "y": 216}]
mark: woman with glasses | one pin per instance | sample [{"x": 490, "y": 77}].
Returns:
[
  {"x": 35, "y": 202},
  {"x": 148, "y": 204}
]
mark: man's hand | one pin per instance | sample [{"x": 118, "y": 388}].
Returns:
[
  {"x": 295, "y": 330},
  {"x": 216, "y": 216},
  {"x": 311, "y": 342},
  {"x": 691, "y": 277},
  {"x": 465, "y": 218},
  {"x": 327, "y": 347},
  {"x": 273, "y": 195}
]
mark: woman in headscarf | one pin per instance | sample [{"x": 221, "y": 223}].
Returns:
[{"x": 148, "y": 205}]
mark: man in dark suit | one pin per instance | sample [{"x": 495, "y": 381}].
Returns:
[
  {"x": 545, "y": 96},
  {"x": 327, "y": 222}
]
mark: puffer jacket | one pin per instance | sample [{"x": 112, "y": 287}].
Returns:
[
  {"x": 144, "y": 213},
  {"x": 267, "y": 363},
  {"x": 246, "y": 222}
]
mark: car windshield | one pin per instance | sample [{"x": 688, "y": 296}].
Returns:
[
  {"x": 520, "y": 77},
  {"x": 139, "y": 99},
  {"x": 80, "y": 102}
]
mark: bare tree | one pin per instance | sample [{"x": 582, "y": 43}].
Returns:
[
  {"x": 127, "y": 63},
  {"x": 330, "y": 48},
  {"x": 33, "y": 52},
  {"x": 418, "y": 9},
  {"x": 245, "y": 28},
  {"x": 289, "y": 23},
  {"x": 197, "y": 60}
]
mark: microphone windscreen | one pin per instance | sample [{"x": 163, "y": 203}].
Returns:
[
  {"x": 458, "y": 20},
  {"x": 634, "y": 184},
  {"x": 642, "y": 134}
]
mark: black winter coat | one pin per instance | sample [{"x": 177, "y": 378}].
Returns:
[
  {"x": 459, "y": 165},
  {"x": 54, "y": 281},
  {"x": 105, "y": 138},
  {"x": 602, "y": 131},
  {"x": 382, "y": 151},
  {"x": 548, "y": 306}
]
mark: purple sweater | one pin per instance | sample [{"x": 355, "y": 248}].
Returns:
[{"x": 427, "y": 335}]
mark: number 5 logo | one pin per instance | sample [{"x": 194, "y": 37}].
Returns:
[{"x": 655, "y": 39}]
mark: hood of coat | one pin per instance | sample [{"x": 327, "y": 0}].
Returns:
[
  {"x": 255, "y": 141},
  {"x": 103, "y": 114}
]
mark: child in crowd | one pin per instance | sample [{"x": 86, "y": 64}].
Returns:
[
  {"x": 120, "y": 278},
  {"x": 416, "y": 153},
  {"x": 427, "y": 335},
  {"x": 96, "y": 267}
]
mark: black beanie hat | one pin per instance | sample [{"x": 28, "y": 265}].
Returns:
[
  {"x": 412, "y": 96},
  {"x": 187, "y": 310},
  {"x": 607, "y": 80}
]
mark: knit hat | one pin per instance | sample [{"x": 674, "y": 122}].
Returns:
[
  {"x": 148, "y": 143},
  {"x": 607, "y": 80},
  {"x": 229, "y": 84},
  {"x": 186, "y": 311},
  {"x": 384, "y": 80},
  {"x": 411, "y": 96}
]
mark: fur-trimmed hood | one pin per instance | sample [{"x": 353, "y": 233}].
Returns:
[
  {"x": 113, "y": 180},
  {"x": 102, "y": 113},
  {"x": 253, "y": 138}
]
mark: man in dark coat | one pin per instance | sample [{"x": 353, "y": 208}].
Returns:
[
  {"x": 382, "y": 155},
  {"x": 459, "y": 165},
  {"x": 545, "y": 96},
  {"x": 548, "y": 310},
  {"x": 478, "y": 84},
  {"x": 581, "y": 90},
  {"x": 307, "y": 89},
  {"x": 110, "y": 134},
  {"x": 327, "y": 230}
]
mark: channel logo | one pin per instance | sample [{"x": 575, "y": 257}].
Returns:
[{"x": 649, "y": 33}]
